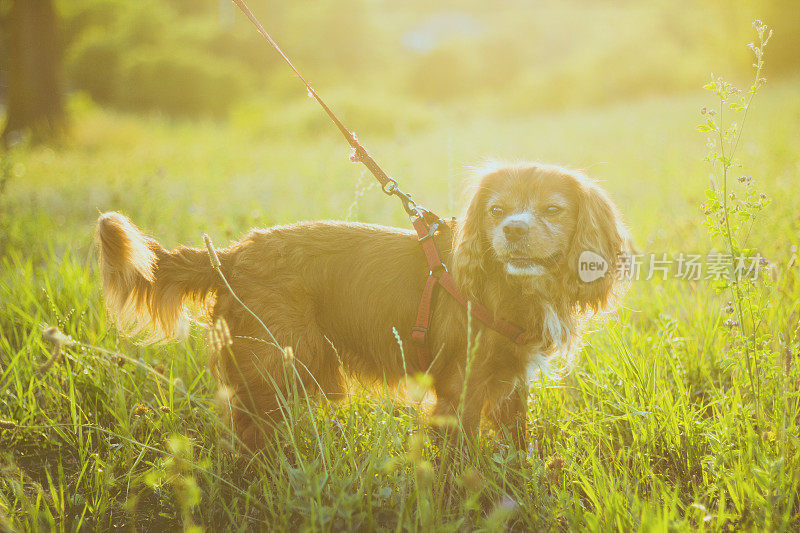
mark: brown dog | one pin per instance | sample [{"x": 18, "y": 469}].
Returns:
[{"x": 335, "y": 292}]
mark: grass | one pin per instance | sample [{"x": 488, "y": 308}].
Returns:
[{"x": 653, "y": 430}]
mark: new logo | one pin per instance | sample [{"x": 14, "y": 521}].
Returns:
[{"x": 591, "y": 266}]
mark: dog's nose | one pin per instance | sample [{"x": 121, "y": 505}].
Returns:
[{"x": 514, "y": 230}]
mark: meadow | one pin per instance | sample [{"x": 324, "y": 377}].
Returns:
[{"x": 654, "y": 429}]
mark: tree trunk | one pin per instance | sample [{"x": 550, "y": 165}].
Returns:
[{"x": 34, "y": 103}]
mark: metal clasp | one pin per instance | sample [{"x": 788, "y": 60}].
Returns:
[
  {"x": 432, "y": 230},
  {"x": 390, "y": 187}
]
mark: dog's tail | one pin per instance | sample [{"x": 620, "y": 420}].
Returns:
[{"x": 146, "y": 288}]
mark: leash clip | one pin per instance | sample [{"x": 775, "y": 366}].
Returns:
[
  {"x": 390, "y": 187},
  {"x": 409, "y": 205}
]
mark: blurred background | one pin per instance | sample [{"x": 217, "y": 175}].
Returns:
[
  {"x": 179, "y": 114},
  {"x": 201, "y": 58}
]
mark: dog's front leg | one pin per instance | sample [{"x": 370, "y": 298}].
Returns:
[
  {"x": 510, "y": 416},
  {"x": 457, "y": 414}
]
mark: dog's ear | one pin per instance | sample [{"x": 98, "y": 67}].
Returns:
[
  {"x": 600, "y": 242},
  {"x": 469, "y": 249}
]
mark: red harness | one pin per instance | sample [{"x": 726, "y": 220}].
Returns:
[{"x": 425, "y": 223}]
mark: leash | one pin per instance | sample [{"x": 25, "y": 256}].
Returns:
[
  {"x": 425, "y": 223},
  {"x": 359, "y": 154}
]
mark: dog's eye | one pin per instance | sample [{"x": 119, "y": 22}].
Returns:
[
  {"x": 496, "y": 211},
  {"x": 553, "y": 209}
]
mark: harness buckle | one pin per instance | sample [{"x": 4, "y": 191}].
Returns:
[
  {"x": 432, "y": 229},
  {"x": 441, "y": 269},
  {"x": 419, "y": 335}
]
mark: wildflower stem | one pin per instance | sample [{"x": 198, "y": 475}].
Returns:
[{"x": 724, "y": 90}]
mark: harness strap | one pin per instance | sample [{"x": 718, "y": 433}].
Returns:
[
  {"x": 439, "y": 276},
  {"x": 419, "y": 333}
]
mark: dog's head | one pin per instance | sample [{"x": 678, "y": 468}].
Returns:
[{"x": 541, "y": 225}]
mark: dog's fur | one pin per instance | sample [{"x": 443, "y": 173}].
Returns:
[{"x": 335, "y": 292}]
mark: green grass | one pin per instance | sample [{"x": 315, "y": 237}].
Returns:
[{"x": 654, "y": 429}]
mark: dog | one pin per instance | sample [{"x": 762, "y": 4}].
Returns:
[{"x": 343, "y": 296}]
